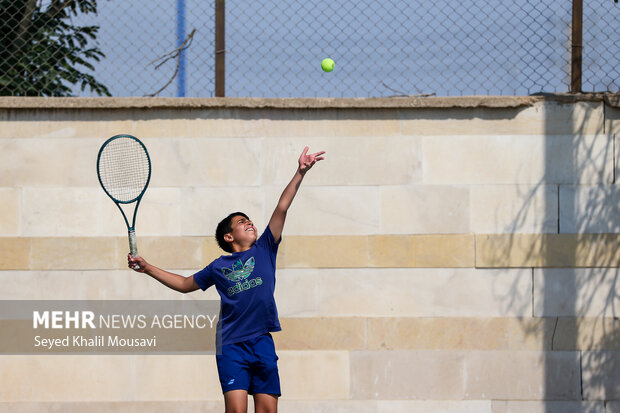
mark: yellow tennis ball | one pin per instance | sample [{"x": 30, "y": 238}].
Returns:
[{"x": 327, "y": 65}]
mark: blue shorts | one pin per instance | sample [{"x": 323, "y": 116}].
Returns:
[{"x": 250, "y": 365}]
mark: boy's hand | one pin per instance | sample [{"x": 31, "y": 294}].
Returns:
[
  {"x": 307, "y": 161},
  {"x": 133, "y": 261}
]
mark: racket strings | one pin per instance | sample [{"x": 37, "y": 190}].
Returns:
[{"x": 124, "y": 169}]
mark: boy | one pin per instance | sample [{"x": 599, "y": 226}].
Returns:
[{"x": 245, "y": 281}]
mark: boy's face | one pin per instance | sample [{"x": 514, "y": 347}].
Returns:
[{"x": 243, "y": 231}]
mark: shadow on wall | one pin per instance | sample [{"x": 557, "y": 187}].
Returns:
[{"x": 574, "y": 262}]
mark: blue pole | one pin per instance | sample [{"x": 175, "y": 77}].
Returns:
[{"x": 180, "y": 39}]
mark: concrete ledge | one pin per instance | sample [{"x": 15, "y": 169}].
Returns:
[
  {"x": 271, "y": 103},
  {"x": 9, "y": 102}
]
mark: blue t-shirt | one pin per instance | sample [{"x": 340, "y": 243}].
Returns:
[{"x": 245, "y": 282}]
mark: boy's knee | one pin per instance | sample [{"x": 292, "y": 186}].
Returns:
[
  {"x": 236, "y": 401},
  {"x": 265, "y": 403}
]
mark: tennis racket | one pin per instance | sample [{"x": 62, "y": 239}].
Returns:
[{"x": 124, "y": 171}]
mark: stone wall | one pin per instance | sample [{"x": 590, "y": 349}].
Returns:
[{"x": 449, "y": 255}]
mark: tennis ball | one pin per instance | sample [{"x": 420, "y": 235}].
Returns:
[{"x": 327, "y": 65}]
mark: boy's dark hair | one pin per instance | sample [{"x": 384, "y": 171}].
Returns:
[{"x": 224, "y": 228}]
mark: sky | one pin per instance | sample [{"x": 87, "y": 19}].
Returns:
[{"x": 381, "y": 48}]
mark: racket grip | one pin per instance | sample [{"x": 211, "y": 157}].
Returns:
[{"x": 133, "y": 246}]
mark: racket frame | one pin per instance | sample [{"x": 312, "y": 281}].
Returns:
[{"x": 133, "y": 245}]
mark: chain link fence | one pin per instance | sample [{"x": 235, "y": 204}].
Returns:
[{"x": 274, "y": 48}]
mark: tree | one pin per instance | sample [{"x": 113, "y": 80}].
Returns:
[{"x": 42, "y": 53}]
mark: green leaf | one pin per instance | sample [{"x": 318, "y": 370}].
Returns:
[{"x": 53, "y": 54}]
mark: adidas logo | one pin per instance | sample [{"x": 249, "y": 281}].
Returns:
[
  {"x": 243, "y": 286},
  {"x": 239, "y": 271}
]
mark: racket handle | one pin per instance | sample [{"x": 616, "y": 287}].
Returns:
[{"x": 133, "y": 246}]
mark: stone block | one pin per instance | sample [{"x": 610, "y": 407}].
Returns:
[
  {"x": 58, "y": 162},
  {"x": 402, "y": 375},
  {"x": 203, "y": 208},
  {"x": 547, "y": 250},
  {"x": 424, "y": 209},
  {"x": 91, "y": 285},
  {"x": 522, "y": 375},
  {"x": 580, "y": 292},
  {"x": 179, "y": 406},
  {"x": 514, "y": 209},
  {"x": 14, "y": 253},
  {"x": 547, "y": 406},
  {"x": 213, "y": 123},
  {"x": 432, "y": 251},
  {"x": 509, "y": 159},
  {"x": 321, "y": 333},
  {"x": 67, "y": 378},
  {"x": 614, "y": 129},
  {"x": 601, "y": 375},
  {"x": 159, "y": 213},
  {"x": 330, "y": 123},
  {"x": 612, "y": 407},
  {"x": 589, "y": 333},
  {"x": 65, "y": 123},
  {"x": 425, "y": 293},
  {"x": 325, "y": 251},
  {"x": 170, "y": 252},
  {"x": 297, "y": 292},
  {"x": 321, "y": 406},
  {"x": 589, "y": 209},
  {"x": 57, "y": 285},
  {"x": 458, "y": 333},
  {"x": 540, "y": 118},
  {"x": 76, "y": 253},
  {"x": 439, "y": 406},
  {"x": 210, "y": 250},
  {"x": 325, "y": 375},
  {"x": 612, "y": 120},
  {"x": 205, "y": 162},
  {"x": 176, "y": 377},
  {"x": 349, "y": 160},
  {"x": 583, "y": 118},
  {"x": 9, "y": 211},
  {"x": 55, "y": 212},
  {"x": 331, "y": 210},
  {"x": 123, "y": 284}
]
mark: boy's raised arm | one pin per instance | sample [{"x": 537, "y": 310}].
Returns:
[{"x": 306, "y": 161}]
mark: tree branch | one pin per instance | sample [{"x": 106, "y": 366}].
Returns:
[
  {"x": 24, "y": 23},
  {"x": 56, "y": 7},
  {"x": 175, "y": 54},
  {"x": 403, "y": 94}
]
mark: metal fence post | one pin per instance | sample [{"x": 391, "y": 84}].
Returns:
[
  {"x": 576, "y": 46},
  {"x": 220, "y": 48},
  {"x": 180, "y": 41}
]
